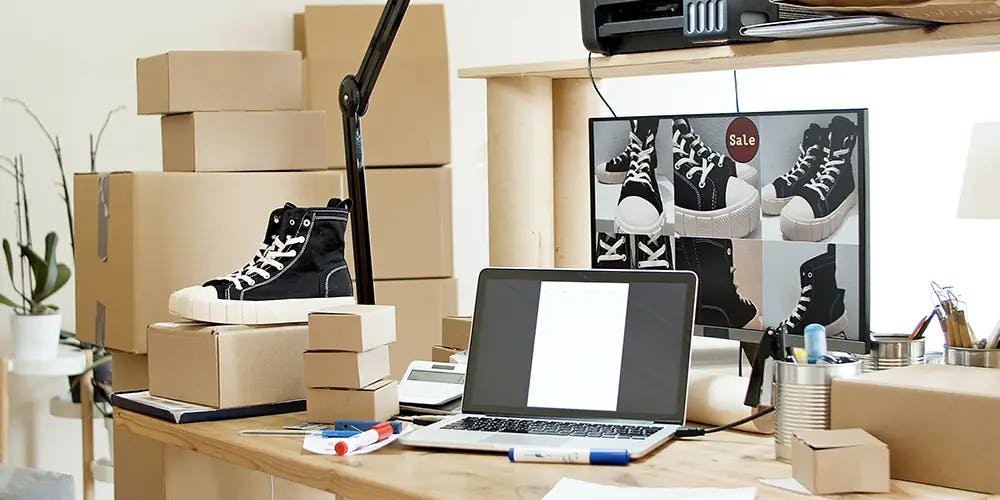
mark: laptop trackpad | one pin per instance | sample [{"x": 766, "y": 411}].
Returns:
[{"x": 524, "y": 440}]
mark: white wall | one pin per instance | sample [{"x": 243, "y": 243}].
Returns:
[{"x": 72, "y": 61}]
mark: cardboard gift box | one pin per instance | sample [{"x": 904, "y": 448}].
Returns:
[
  {"x": 186, "y": 81},
  {"x": 442, "y": 354},
  {"x": 354, "y": 328},
  {"x": 243, "y": 141},
  {"x": 939, "y": 422},
  {"x": 408, "y": 123},
  {"x": 129, "y": 372},
  {"x": 347, "y": 370},
  {"x": 142, "y": 235},
  {"x": 378, "y": 401},
  {"x": 456, "y": 332},
  {"x": 840, "y": 461},
  {"x": 226, "y": 366},
  {"x": 420, "y": 305}
]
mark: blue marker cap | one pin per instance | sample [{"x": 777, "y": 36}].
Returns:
[
  {"x": 510, "y": 454},
  {"x": 815, "y": 340},
  {"x": 608, "y": 457}
]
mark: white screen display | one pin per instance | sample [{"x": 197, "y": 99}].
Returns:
[{"x": 579, "y": 337}]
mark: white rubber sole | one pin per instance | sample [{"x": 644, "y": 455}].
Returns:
[
  {"x": 730, "y": 222},
  {"x": 248, "y": 312},
  {"x": 817, "y": 229},
  {"x": 773, "y": 206},
  {"x": 605, "y": 177}
]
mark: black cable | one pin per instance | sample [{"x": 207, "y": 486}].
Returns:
[
  {"x": 736, "y": 89},
  {"x": 590, "y": 71},
  {"x": 684, "y": 432}
]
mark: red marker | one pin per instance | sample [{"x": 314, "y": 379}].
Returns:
[{"x": 377, "y": 433}]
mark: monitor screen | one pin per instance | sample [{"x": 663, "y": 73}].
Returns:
[
  {"x": 581, "y": 343},
  {"x": 768, "y": 209}
]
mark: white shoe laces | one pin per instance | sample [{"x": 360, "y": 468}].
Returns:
[
  {"x": 639, "y": 170},
  {"x": 805, "y": 156},
  {"x": 611, "y": 253},
  {"x": 823, "y": 182},
  {"x": 268, "y": 258},
  {"x": 688, "y": 159},
  {"x": 804, "y": 300},
  {"x": 653, "y": 258}
]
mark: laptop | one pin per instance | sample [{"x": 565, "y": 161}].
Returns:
[{"x": 562, "y": 358}]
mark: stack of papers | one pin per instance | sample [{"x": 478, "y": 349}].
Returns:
[{"x": 830, "y": 26}]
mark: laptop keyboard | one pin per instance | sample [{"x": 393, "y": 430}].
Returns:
[{"x": 552, "y": 428}]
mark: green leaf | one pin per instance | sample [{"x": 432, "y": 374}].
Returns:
[
  {"x": 62, "y": 276},
  {"x": 50, "y": 247},
  {"x": 7, "y": 302},
  {"x": 9, "y": 257},
  {"x": 40, "y": 269}
]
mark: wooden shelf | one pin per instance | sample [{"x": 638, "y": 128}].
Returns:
[{"x": 947, "y": 39}]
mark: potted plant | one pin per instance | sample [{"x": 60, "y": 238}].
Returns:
[{"x": 35, "y": 325}]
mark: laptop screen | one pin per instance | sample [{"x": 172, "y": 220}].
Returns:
[{"x": 569, "y": 343}]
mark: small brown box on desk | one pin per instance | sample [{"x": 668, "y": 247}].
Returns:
[
  {"x": 456, "y": 332},
  {"x": 442, "y": 354},
  {"x": 379, "y": 401},
  {"x": 840, "y": 461},
  {"x": 346, "y": 370},
  {"x": 354, "y": 328},
  {"x": 939, "y": 422}
]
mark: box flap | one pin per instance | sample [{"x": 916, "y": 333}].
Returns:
[
  {"x": 842, "y": 438},
  {"x": 965, "y": 380},
  {"x": 377, "y": 385}
]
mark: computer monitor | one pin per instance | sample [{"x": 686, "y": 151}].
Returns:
[{"x": 769, "y": 209}]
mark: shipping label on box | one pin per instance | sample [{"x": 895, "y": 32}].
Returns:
[
  {"x": 456, "y": 332},
  {"x": 840, "y": 461},
  {"x": 353, "y": 328},
  {"x": 379, "y": 401},
  {"x": 348, "y": 370}
]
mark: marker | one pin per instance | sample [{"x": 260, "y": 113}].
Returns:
[
  {"x": 371, "y": 436},
  {"x": 579, "y": 456}
]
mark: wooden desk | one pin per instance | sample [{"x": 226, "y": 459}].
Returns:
[{"x": 725, "y": 460}]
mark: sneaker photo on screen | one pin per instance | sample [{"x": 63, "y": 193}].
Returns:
[
  {"x": 777, "y": 194},
  {"x": 299, "y": 268},
  {"x": 720, "y": 302},
  {"x": 614, "y": 251},
  {"x": 653, "y": 252},
  {"x": 821, "y": 301},
  {"x": 640, "y": 206}
]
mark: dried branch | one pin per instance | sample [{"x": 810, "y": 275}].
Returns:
[
  {"x": 33, "y": 117},
  {"x": 96, "y": 146}
]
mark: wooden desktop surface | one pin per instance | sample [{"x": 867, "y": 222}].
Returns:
[{"x": 724, "y": 460}]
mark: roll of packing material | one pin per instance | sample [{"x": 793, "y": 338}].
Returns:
[{"x": 717, "y": 399}]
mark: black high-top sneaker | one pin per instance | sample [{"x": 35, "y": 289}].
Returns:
[
  {"x": 302, "y": 270},
  {"x": 820, "y": 302},
  {"x": 742, "y": 171},
  {"x": 653, "y": 252},
  {"x": 710, "y": 200},
  {"x": 642, "y": 132},
  {"x": 820, "y": 205},
  {"x": 613, "y": 251},
  {"x": 640, "y": 207},
  {"x": 777, "y": 194},
  {"x": 719, "y": 300}
]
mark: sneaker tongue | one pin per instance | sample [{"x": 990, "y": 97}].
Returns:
[
  {"x": 812, "y": 136},
  {"x": 841, "y": 131}
]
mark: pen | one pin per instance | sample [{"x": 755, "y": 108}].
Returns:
[
  {"x": 377, "y": 433},
  {"x": 299, "y": 432},
  {"x": 569, "y": 456}
]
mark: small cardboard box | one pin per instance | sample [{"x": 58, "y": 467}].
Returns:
[
  {"x": 346, "y": 370},
  {"x": 442, "y": 354},
  {"x": 840, "y": 461},
  {"x": 408, "y": 123},
  {"x": 354, "y": 328},
  {"x": 129, "y": 372},
  {"x": 139, "y": 467},
  {"x": 939, "y": 422},
  {"x": 226, "y": 366},
  {"x": 186, "y": 81},
  {"x": 379, "y": 401},
  {"x": 243, "y": 141},
  {"x": 195, "y": 476},
  {"x": 456, "y": 332},
  {"x": 136, "y": 243},
  {"x": 420, "y": 305}
]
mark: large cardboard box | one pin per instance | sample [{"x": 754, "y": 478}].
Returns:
[
  {"x": 354, "y": 328},
  {"x": 840, "y": 461},
  {"x": 139, "y": 467},
  {"x": 408, "y": 122},
  {"x": 142, "y": 235},
  {"x": 346, "y": 370},
  {"x": 242, "y": 141},
  {"x": 129, "y": 372},
  {"x": 939, "y": 422},
  {"x": 409, "y": 212},
  {"x": 226, "y": 366},
  {"x": 185, "y": 81},
  {"x": 456, "y": 332},
  {"x": 420, "y": 305},
  {"x": 194, "y": 476},
  {"x": 442, "y": 354},
  {"x": 379, "y": 401}
]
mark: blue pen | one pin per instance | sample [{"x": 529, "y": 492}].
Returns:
[
  {"x": 339, "y": 433},
  {"x": 364, "y": 425},
  {"x": 569, "y": 456}
]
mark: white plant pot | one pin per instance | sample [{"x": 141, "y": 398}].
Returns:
[{"x": 35, "y": 336}]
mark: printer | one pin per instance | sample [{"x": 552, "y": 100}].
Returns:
[{"x": 628, "y": 26}]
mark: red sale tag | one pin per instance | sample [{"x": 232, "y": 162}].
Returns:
[{"x": 742, "y": 140}]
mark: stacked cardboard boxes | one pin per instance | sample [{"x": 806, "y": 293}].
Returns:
[
  {"x": 347, "y": 364},
  {"x": 407, "y": 144},
  {"x": 456, "y": 337}
]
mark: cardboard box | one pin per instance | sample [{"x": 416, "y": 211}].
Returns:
[
  {"x": 226, "y": 366},
  {"x": 354, "y": 328},
  {"x": 938, "y": 421},
  {"x": 379, "y": 401},
  {"x": 129, "y": 372},
  {"x": 409, "y": 213},
  {"x": 243, "y": 141},
  {"x": 193, "y": 476},
  {"x": 442, "y": 354},
  {"x": 456, "y": 332},
  {"x": 346, "y": 370},
  {"x": 186, "y": 81},
  {"x": 139, "y": 467},
  {"x": 840, "y": 461},
  {"x": 149, "y": 245},
  {"x": 420, "y": 305},
  {"x": 408, "y": 123}
]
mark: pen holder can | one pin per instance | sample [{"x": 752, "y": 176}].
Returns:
[
  {"x": 961, "y": 356},
  {"x": 894, "y": 352},
  {"x": 802, "y": 400}
]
